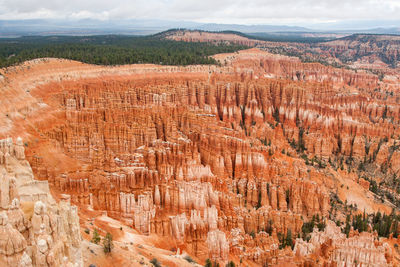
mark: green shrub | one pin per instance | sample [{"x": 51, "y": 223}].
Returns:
[
  {"x": 189, "y": 259},
  {"x": 96, "y": 237},
  {"x": 155, "y": 262}
]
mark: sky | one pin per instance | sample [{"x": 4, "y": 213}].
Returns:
[{"x": 289, "y": 12}]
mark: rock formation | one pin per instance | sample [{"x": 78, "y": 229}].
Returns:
[
  {"x": 224, "y": 161},
  {"x": 367, "y": 51},
  {"x": 48, "y": 237},
  {"x": 361, "y": 249}
]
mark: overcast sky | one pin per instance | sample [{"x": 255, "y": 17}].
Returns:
[{"x": 215, "y": 11}]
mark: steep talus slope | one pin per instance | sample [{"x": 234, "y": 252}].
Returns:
[{"x": 219, "y": 162}]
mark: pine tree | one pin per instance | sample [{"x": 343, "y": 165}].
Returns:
[
  {"x": 108, "y": 243},
  {"x": 289, "y": 240},
  {"x": 208, "y": 263}
]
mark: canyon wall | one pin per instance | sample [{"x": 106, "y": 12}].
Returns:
[{"x": 224, "y": 160}]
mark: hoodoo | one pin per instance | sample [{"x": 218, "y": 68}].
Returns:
[{"x": 262, "y": 161}]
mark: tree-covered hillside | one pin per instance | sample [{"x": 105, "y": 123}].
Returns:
[{"x": 110, "y": 50}]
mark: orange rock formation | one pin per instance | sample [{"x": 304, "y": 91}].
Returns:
[{"x": 203, "y": 155}]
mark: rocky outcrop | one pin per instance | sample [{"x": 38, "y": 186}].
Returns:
[
  {"x": 50, "y": 236},
  {"x": 334, "y": 248},
  {"x": 12, "y": 244},
  {"x": 218, "y": 246}
]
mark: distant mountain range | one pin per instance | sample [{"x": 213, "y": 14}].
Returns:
[
  {"x": 14, "y": 28},
  {"x": 251, "y": 28}
]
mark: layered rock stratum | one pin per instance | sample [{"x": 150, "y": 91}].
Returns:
[{"x": 215, "y": 162}]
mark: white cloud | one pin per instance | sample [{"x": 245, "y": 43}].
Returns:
[{"x": 221, "y": 11}]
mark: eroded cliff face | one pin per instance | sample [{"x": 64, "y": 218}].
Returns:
[
  {"x": 35, "y": 230},
  {"x": 357, "y": 51},
  {"x": 225, "y": 160},
  {"x": 209, "y": 37},
  {"x": 366, "y": 50},
  {"x": 333, "y": 248}
]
